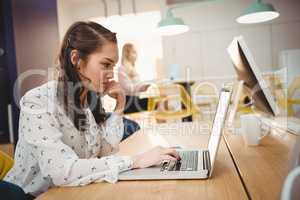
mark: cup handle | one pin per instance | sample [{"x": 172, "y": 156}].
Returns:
[
  {"x": 265, "y": 130},
  {"x": 289, "y": 183}
]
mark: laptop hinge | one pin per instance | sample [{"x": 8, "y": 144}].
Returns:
[{"x": 206, "y": 161}]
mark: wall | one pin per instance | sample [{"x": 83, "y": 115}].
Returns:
[
  {"x": 213, "y": 26},
  {"x": 36, "y": 38},
  {"x": 35, "y": 44},
  {"x": 70, "y": 11}
]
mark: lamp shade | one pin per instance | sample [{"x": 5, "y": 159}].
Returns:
[
  {"x": 171, "y": 25},
  {"x": 258, "y": 12}
]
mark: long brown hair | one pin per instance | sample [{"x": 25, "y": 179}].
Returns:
[{"x": 86, "y": 38}]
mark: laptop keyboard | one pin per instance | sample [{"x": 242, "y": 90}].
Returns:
[{"x": 188, "y": 162}]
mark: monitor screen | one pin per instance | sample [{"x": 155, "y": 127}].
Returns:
[{"x": 250, "y": 74}]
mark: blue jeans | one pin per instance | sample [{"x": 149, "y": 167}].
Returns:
[
  {"x": 135, "y": 104},
  {"x": 130, "y": 127},
  {"x": 10, "y": 191}
]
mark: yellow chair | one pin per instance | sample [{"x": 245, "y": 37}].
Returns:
[
  {"x": 6, "y": 163},
  {"x": 277, "y": 89},
  {"x": 240, "y": 99},
  {"x": 205, "y": 95},
  {"x": 159, "y": 96},
  {"x": 242, "y": 108},
  {"x": 294, "y": 86},
  {"x": 284, "y": 99},
  {"x": 168, "y": 93}
]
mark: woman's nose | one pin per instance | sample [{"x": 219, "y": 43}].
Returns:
[{"x": 110, "y": 75}]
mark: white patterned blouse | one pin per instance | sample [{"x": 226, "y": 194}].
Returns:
[{"x": 52, "y": 152}]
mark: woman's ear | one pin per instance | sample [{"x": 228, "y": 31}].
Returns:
[{"x": 75, "y": 58}]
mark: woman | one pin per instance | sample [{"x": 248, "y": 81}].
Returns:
[
  {"x": 64, "y": 136},
  {"x": 130, "y": 80}
]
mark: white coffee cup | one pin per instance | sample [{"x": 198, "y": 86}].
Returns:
[{"x": 252, "y": 129}]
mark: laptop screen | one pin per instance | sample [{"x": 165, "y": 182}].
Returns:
[{"x": 218, "y": 124}]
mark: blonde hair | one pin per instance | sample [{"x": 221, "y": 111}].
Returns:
[{"x": 126, "y": 50}]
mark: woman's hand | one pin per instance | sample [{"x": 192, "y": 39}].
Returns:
[
  {"x": 143, "y": 88},
  {"x": 114, "y": 90},
  {"x": 154, "y": 156}
]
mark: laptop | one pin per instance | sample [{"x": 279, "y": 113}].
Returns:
[{"x": 194, "y": 163}]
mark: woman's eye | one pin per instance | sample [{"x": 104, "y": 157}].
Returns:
[{"x": 106, "y": 65}]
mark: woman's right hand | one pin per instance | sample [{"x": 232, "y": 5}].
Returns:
[
  {"x": 154, "y": 156},
  {"x": 143, "y": 88}
]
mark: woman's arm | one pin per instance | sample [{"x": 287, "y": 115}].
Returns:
[
  {"x": 57, "y": 160},
  {"x": 112, "y": 131},
  {"x": 60, "y": 163},
  {"x": 131, "y": 85}
]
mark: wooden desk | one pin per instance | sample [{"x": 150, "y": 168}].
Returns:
[
  {"x": 263, "y": 168},
  {"x": 225, "y": 183}
]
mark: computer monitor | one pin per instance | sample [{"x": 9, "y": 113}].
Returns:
[
  {"x": 248, "y": 72},
  {"x": 236, "y": 95}
]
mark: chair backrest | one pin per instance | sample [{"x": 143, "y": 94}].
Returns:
[
  {"x": 6, "y": 163},
  {"x": 278, "y": 90},
  {"x": 205, "y": 88},
  {"x": 293, "y": 87},
  {"x": 285, "y": 97},
  {"x": 187, "y": 100},
  {"x": 168, "y": 91}
]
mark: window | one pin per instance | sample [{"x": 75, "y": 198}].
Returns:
[{"x": 139, "y": 29}]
